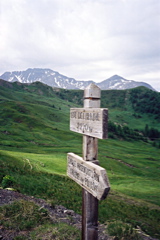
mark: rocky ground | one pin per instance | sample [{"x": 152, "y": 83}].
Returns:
[{"x": 57, "y": 214}]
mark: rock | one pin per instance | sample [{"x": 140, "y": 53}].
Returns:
[{"x": 69, "y": 212}]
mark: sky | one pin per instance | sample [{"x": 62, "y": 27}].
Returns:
[{"x": 82, "y": 39}]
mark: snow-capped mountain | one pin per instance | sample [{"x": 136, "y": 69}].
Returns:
[
  {"x": 55, "y": 79},
  {"x": 47, "y": 76},
  {"x": 117, "y": 82}
]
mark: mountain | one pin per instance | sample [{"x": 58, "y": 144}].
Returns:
[
  {"x": 55, "y": 79},
  {"x": 120, "y": 83},
  {"x": 47, "y": 76}
]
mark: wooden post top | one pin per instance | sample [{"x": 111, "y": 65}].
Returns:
[{"x": 92, "y": 91}]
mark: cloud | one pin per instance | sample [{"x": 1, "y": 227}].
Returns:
[{"x": 85, "y": 39}]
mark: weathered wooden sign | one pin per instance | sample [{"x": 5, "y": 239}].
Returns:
[
  {"x": 89, "y": 121},
  {"x": 90, "y": 176}
]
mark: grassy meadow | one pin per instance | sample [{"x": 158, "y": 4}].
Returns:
[{"x": 35, "y": 139}]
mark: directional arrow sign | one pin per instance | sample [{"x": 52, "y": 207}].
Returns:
[
  {"x": 89, "y": 121},
  {"x": 88, "y": 175}
]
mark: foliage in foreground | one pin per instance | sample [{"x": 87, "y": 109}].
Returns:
[
  {"x": 49, "y": 186},
  {"x": 23, "y": 216},
  {"x": 60, "y": 231},
  {"x": 34, "y": 178},
  {"x": 122, "y": 231}
]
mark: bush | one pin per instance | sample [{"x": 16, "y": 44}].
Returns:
[{"x": 7, "y": 181}]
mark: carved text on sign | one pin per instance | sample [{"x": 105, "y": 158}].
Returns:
[
  {"x": 91, "y": 122},
  {"x": 90, "y": 176}
]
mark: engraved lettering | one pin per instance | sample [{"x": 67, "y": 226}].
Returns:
[
  {"x": 71, "y": 162},
  {"x": 73, "y": 114},
  {"x": 84, "y": 127},
  {"x": 87, "y": 116},
  {"x": 96, "y": 176}
]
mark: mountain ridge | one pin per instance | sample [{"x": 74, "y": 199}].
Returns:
[
  {"x": 141, "y": 99},
  {"x": 55, "y": 79}
]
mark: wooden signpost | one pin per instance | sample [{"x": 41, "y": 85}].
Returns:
[{"x": 91, "y": 121}]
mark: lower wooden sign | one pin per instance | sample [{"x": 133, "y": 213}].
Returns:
[{"x": 88, "y": 175}]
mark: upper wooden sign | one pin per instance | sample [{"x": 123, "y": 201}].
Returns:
[
  {"x": 90, "y": 176},
  {"x": 90, "y": 121}
]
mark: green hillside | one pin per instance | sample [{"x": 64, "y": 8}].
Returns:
[{"x": 35, "y": 139}]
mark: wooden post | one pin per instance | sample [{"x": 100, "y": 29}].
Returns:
[
  {"x": 91, "y": 121},
  {"x": 90, "y": 151}
]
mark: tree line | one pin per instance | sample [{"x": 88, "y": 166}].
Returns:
[
  {"x": 124, "y": 132},
  {"x": 145, "y": 101}
]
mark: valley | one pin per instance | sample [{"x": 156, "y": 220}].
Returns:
[{"x": 35, "y": 139}]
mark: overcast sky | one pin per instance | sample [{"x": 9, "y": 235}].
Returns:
[{"x": 83, "y": 39}]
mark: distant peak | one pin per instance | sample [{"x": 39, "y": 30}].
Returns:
[
  {"x": 38, "y": 69},
  {"x": 116, "y": 77}
]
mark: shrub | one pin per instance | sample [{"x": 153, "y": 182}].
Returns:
[{"x": 7, "y": 181}]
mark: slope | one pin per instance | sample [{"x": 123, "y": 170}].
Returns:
[{"x": 35, "y": 138}]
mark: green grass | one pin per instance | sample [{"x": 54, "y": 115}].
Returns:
[
  {"x": 51, "y": 163},
  {"x": 133, "y": 168},
  {"x": 122, "y": 230},
  {"x": 22, "y": 215},
  {"x": 59, "y": 231},
  {"x": 129, "y": 118},
  {"x": 55, "y": 188},
  {"x": 128, "y": 171}
]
